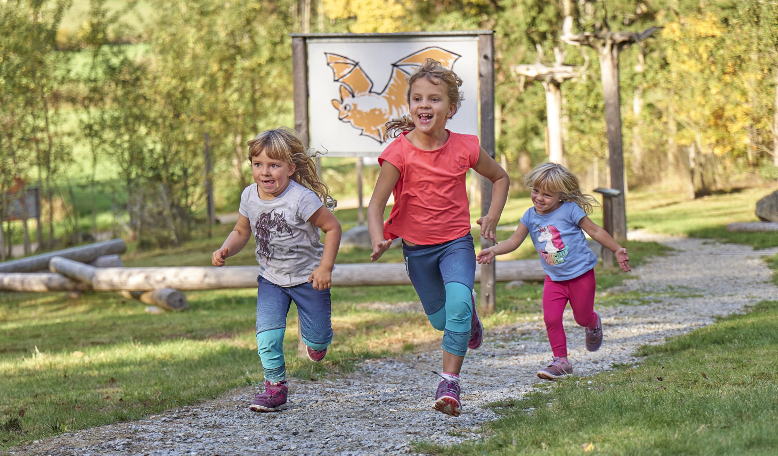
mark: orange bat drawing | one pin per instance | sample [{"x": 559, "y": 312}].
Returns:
[{"x": 368, "y": 111}]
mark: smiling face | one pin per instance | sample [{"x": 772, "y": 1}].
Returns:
[
  {"x": 544, "y": 200},
  {"x": 430, "y": 106},
  {"x": 271, "y": 175}
]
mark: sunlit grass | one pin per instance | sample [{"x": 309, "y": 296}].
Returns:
[{"x": 709, "y": 392}]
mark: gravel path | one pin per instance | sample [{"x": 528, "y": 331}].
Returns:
[{"x": 387, "y": 403}]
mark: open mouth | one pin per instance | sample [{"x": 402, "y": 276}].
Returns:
[
  {"x": 425, "y": 118},
  {"x": 268, "y": 183}
]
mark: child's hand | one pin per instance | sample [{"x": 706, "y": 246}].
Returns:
[
  {"x": 485, "y": 256},
  {"x": 321, "y": 278},
  {"x": 380, "y": 248},
  {"x": 623, "y": 259},
  {"x": 220, "y": 256},
  {"x": 488, "y": 227}
]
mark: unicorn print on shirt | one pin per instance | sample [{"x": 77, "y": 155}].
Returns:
[{"x": 555, "y": 251}]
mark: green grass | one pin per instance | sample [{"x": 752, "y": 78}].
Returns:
[{"x": 712, "y": 391}]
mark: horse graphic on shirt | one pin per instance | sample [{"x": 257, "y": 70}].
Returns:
[
  {"x": 555, "y": 251},
  {"x": 266, "y": 224}
]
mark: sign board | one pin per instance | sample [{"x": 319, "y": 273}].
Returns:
[
  {"x": 31, "y": 199},
  {"x": 357, "y": 83}
]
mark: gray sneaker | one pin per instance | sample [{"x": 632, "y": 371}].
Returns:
[
  {"x": 594, "y": 336},
  {"x": 557, "y": 369}
]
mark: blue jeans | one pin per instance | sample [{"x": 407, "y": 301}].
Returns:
[
  {"x": 443, "y": 276},
  {"x": 314, "y": 308}
]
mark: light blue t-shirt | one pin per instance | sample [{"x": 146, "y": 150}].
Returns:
[{"x": 560, "y": 242}]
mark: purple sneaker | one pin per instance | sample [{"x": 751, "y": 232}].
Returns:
[
  {"x": 557, "y": 369},
  {"x": 316, "y": 355},
  {"x": 273, "y": 399},
  {"x": 447, "y": 398},
  {"x": 594, "y": 336}
]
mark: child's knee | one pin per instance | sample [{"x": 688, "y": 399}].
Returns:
[
  {"x": 552, "y": 320},
  {"x": 459, "y": 307},
  {"x": 438, "y": 319},
  {"x": 270, "y": 345}
]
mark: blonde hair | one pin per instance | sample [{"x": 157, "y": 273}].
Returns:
[
  {"x": 434, "y": 72},
  {"x": 557, "y": 178},
  {"x": 287, "y": 145}
]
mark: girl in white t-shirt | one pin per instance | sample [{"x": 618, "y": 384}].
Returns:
[{"x": 284, "y": 210}]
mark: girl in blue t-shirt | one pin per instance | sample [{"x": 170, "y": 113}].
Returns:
[{"x": 556, "y": 223}]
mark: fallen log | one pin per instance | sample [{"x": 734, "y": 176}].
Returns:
[
  {"x": 212, "y": 278},
  {"x": 39, "y": 282},
  {"x": 82, "y": 254},
  {"x": 168, "y": 298},
  {"x": 107, "y": 261},
  {"x": 73, "y": 269},
  {"x": 754, "y": 227}
]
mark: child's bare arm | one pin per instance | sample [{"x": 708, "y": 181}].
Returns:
[
  {"x": 597, "y": 233},
  {"x": 234, "y": 243},
  {"x": 506, "y": 246},
  {"x": 387, "y": 179},
  {"x": 487, "y": 167},
  {"x": 328, "y": 223}
]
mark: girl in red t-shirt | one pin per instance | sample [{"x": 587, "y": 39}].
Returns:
[{"x": 425, "y": 169}]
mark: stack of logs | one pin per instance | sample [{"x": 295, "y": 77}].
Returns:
[
  {"x": 74, "y": 269},
  {"x": 98, "y": 267}
]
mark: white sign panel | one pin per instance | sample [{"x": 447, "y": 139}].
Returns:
[{"x": 356, "y": 85}]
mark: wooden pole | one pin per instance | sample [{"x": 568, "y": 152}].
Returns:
[
  {"x": 609, "y": 67},
  {"x": 41, "y": 282},
  {"x": 486, "y": 97},
  {"x": 300, "y": 95},
  {"x": 227, "y": 277},
  {"x": 73, "y": 269},
  {"x": 360, "y": 206},
  {"x": 82, "y": 254}
]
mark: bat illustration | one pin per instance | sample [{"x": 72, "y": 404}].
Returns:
[{"x": 367, "y": 110}]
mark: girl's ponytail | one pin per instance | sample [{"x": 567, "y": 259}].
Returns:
[{"x": 396, "y": 126}]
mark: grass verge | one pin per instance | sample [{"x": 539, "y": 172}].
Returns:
[{"x": 712, "y": 391}]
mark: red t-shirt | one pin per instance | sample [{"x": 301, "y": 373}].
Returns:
[{"x": 430, "y": 197}]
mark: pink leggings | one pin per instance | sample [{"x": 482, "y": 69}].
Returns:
[{"x": 580, "y": 292}]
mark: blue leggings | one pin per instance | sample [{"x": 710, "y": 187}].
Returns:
[
  {"x": 443, "y": 276},
  {"x": 314, "y": 309}
]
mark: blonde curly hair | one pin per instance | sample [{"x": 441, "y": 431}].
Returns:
[
  {"x": 287, "y": 145},
  {"x": 556, "y": 178}
]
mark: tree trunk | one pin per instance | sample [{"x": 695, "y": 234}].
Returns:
[
  {"x": 208, "y": 182},
  {"x": 554, "y": 122},
  {"x": 672, "y": 147},
  {"x": 609, "y": 66},
  {"x": 240, "y": 158},
  {"x": 690, "y": 189},
  {"x": 775, "y": 122},
  {"x": 525, "y": 163},
  {"x": 637, "y": 143}
]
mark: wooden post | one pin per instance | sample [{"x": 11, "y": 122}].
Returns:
[
  {"x": 300, "y": 95},
  {"x": 486, "y": 97},
  {"x": 360, "y": 207},
  {"x": 608, "y": 223},
  {"x": 609, "y": 66}
]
